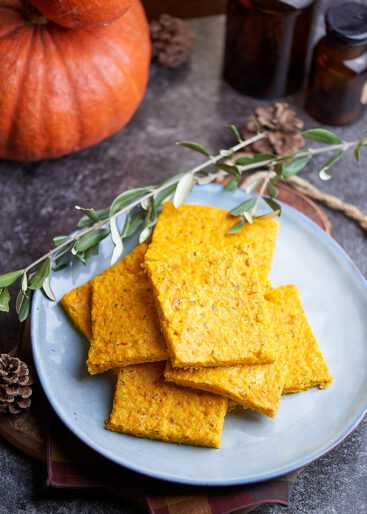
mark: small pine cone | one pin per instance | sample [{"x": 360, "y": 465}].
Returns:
[
  {"x": 283, "y": 128},
  {"x": 15, "y": 382},
  {"x": 172, "y": 41}
]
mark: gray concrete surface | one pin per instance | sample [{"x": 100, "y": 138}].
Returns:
[{"x": 37, "y": 202}]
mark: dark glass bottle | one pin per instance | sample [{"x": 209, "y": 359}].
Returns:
[
  {"x": 266, "y": 45},
  {"x": 337, "y": 91}
]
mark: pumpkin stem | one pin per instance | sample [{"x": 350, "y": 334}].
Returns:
[{"x": 32, "y": 15}]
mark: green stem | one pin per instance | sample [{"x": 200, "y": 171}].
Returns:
[
  {"x": 309, "y": 152},
  {"x": 212, "y": 160}
]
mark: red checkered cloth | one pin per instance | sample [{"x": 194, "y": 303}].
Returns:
[{"x": 71, "y": 464}]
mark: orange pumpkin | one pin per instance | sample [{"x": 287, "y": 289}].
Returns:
[
  {"x": 62, "y": 90},
  {"x": 82, "y": 13}
]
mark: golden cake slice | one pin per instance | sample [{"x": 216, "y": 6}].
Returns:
[
  {"x": 78, "y": 302},
  {"x": 125, "y": 324},
  {"x": 211, "y": 308},
  {"x": 147, "y": 406},
  {"x": 299, "y": 364},
  {"x": 304, "y": 362},
  {"x": 192, "y": 226},
  {"x": 104, "y": 354},
  {"x": 255, "y": 386}
]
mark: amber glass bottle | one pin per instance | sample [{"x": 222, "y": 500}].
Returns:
[
  {"x": 337, "y": 91},
  {"x": 266, "y": 45}
]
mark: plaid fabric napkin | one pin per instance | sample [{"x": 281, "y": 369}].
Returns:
[{"x": 72, "y": 464}]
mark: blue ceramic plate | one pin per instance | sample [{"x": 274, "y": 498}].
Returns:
[{"x": 254, "y": 447}]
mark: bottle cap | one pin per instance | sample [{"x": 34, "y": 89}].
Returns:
[{"x": 347, "y": 22}]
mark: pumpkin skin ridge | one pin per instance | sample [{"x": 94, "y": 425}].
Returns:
[
  {"x": 45, "y": 139},
  {"x": 74, "y": 109},
  {"x": 102, "y": 79},
  {"x": 75, "y": 99},
  {"x": 124, "y": 72},
  {"x": 42, "y": 130},
  {"x": 112, "y": 51},
  {"x": 17, "y": 100}
]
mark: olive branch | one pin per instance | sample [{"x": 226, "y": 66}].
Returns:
[{"x": 140, "y": 206}]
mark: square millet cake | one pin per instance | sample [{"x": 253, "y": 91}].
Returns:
[
  {"x": 147, "y": 406},
  {"x": 194, "y": 226},
  {"x": 211, "y": 308}
]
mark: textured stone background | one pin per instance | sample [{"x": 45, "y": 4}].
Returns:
[{"x": 38, "y": 202}]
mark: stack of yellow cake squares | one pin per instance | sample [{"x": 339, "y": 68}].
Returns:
[{"x": 194, "y": 328}]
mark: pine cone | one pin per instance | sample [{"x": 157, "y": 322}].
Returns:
[
  {"x": 15, "y": 382},
  {"x": 172, "y": 41},
  {"x": 283, "y": 128}
]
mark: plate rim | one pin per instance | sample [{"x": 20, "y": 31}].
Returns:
[{"x": 211, "y": 482}]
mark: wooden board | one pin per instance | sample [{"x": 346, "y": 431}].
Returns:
[{"x": 28, "y": 431}]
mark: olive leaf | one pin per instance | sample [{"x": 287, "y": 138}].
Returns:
[
  {"x": 194, "y": 146},
  {"x": 273, "y": 204},
  {"x": 4, "y": 299},
  {"x": 9, "y": 278},
  {"x": 243, "y": 207},
  {"x": 145, "y": 233},
  {"x": 89, "y": 239},
  {"x": 256, "y": 123},
  {"x": 117, "y": 241},
  {"x": 59, "y": 267},
  {"x": 183, "y": 189},
  {"x": 127, "y": 197},
  {"x": 151, "y": 221},
  {"x": 248, "y": 216},
  {"x": 204, "y": 180},
  {"x": 24, "y": 283},
  {"x": 268, "y": 216},
  {"x": 23, "y": 304},
  {"x": 272, "y": 190},
  {"x": 88, "y": 221},
  {"x": 257, "y": 158},
  {"x": 245, "y": 160},
  {"x": 168, "y": 191},
  {"x": 46, "y": 287},
  {"x": 89, "y": 213},
  {"x": 38, "y": 278},
  {"x": 132, "y": 224},
  {"x": 357, "y": 152},
  {"x": 235, "y": 131},
  {"x": 357, "y": 148},
  {"x": 226, "y": 153},
  {"x": 164, "y": 195},
  {"x": 237, "y": 227},
  {"x": 232, "y": 184},
  {"x": 86, "y": 254},
  {"x": 251, "y": 188},
  {"x": 323, "y": 171},
  {"x": 231, "y": 169},
  {"x": 93, "y": 250},
  {"x": 322, "y": 135},
  {"x": 294, "y": 167},
  {"x": 59, "y": 240}
]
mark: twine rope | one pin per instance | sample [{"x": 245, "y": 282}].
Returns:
[{"x": 303, "y": 186}]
